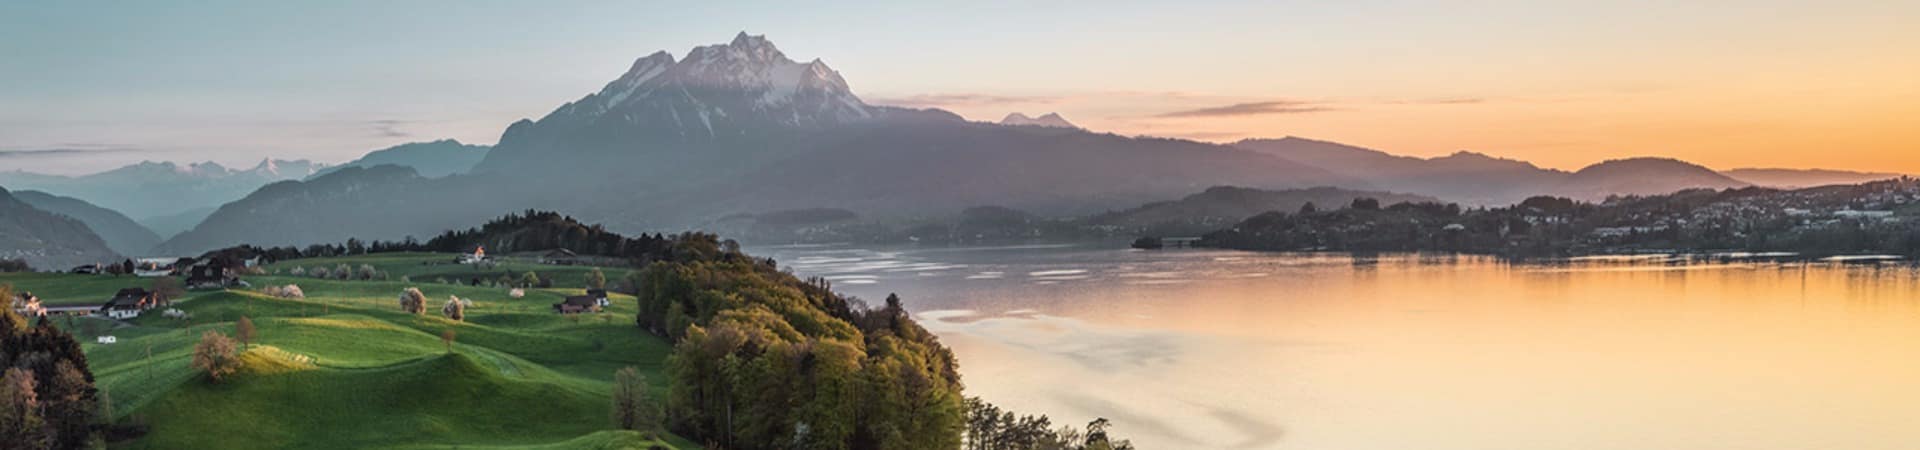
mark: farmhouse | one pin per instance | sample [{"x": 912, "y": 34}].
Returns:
[
  {"x": 479, "y": 254},
  {"x": 560, "y": 256},
  {"x": 129, "y": 302},
  {"x": 599, "y": 296},
  {"x": 154, "y": 267},
  {"x": 211, "y": 274},
  {"x": 578, "y": 304}
]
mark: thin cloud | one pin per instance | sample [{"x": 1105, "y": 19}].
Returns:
[
  {"x": 1440, "y": 101},
  {"x": 52, "y": 152},
  {"x": 389, "y": 128},
  {"x": 1202, "y": 135},
  {"x": 937, "y": 100},
  {"x": 1249, "y": 109}
]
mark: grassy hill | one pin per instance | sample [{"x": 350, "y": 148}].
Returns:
[{"x": 346, "y": 368}]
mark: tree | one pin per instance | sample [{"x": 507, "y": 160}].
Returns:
[
  {"x": 1308, "y": 208},
  {"x": 455, "y": 309},
  {"x": 21, "y": 425},
  {"x": 596, "y": 279},
  {"x": 342, "y": 271},
  {"x": 446, "y": 337},
  {"x": 632, "y": 410},
  {"x": 367, "y": 272},
  {"x": 243, "y": 330},
  {"x": 215, "y": 356},
  {"x": 11, "y": 321},
  {"x": 69, "y": 406},
  {"x": 1366, "y": 204},
  {"x": 529, "y": 280},
  {"x": 413, "y": 301},
  {"x": 167, "y": 288}
]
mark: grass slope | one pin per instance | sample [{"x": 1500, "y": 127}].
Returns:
[{"x": 345, "y": 368}]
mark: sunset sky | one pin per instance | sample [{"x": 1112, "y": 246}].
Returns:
[{"x": 1832, "y": 84}]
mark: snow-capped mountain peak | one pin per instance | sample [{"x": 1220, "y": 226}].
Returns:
[{"x": 717, "y": 89}]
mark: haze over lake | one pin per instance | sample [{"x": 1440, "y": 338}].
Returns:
[{"x": 1227, "y": 349}]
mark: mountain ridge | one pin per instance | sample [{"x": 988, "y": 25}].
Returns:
[
  {"x": 47, "y": 241},
  {"x": 121, "y": 234}
]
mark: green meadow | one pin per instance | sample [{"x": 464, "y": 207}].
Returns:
[{"x": 346, "y": 368}]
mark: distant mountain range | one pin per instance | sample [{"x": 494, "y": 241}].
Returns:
[
  {"x": 121, "y": 234},
  {"x": 1223, "y": 206},
  {"x": 1049, "y": 120},
  {"x": 384, "y": 202},
  {"x": 1805, "y": 178},
  {"x": 431, "y": 159},
  {"x": 1478, "y": 179},
  {"x": 151, "y": 189},
  {"x": 740, "y": 130},
  {"x": 47, "y": 240}
]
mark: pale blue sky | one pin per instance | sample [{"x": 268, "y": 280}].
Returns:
[{"x": 237, "y": 81}]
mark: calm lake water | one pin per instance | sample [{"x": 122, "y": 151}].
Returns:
[{"x": 1224, "y": 349}]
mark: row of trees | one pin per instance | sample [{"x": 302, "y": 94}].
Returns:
[
  {"x": 528, "y": 231},
  {"x": 47, "y": 396},
  {"x": 1751, "y": 219},
  {"x": 991, "y": 428}
]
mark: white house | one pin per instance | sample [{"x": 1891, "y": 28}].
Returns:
[{"x": 107, "y": 339}]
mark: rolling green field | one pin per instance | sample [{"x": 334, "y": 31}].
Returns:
[{"x": 346, "y": 368}]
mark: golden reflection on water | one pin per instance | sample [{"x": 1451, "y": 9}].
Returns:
[{"x": 1401, "y": 352}]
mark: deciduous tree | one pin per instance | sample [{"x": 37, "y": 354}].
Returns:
[
  {"x": 243, "y": 330},
  {"x": 215, "y": 356}
]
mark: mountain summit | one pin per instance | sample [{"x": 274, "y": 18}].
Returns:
[
  {"x": 746, "y": 89},
  {"x": 1049, "y": 120},
  {"x": 719, "y": 89}
]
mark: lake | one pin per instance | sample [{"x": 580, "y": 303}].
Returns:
[{"x": 1227, "y": 349}]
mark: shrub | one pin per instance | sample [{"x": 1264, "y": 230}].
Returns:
[
  {"x": 297, "y": 271},
  {"x": 413, "y": 301},
  {"x": 406, "y": 279},
  {"x": 320, "y": 272},
  {"x": 215, "y": 356},
  {"x": 530, "y": 280},
  {"x": 367, "y": 272},
  {"x": 292, "y": 291},
  {"x": 342, "y": 271}
]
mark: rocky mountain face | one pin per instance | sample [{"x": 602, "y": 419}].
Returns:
[
  {"x": 47, "y": 241},
  {"x": 430, "y": 159},
  {"x": 120, "y": 233},
  {"x": 739, "y": 128},
  {"x": 1049, "y": 120},
  {"x": 150, "y": 189}
]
